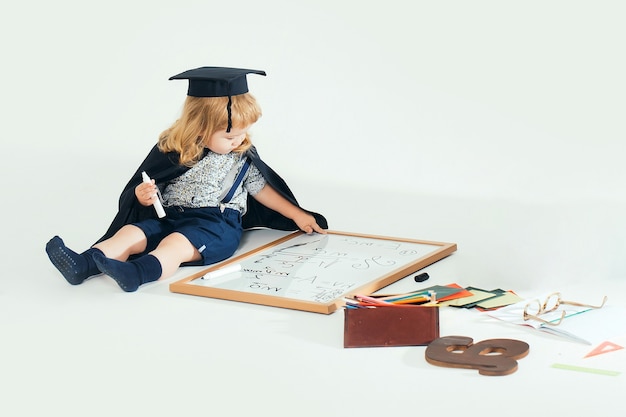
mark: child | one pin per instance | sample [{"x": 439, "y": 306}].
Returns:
[{"x": 213, "y": 185}]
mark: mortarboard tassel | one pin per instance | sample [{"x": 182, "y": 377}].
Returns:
[{"x": 230, "y": 123}]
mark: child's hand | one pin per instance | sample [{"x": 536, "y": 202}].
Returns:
[
  {"x": 307, "y": 224},
  {"x": 270, "y": 198},
  {"x": 146, "y": 193}
]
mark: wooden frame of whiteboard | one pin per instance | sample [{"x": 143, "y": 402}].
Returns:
[{"x": 184, "y": 286}]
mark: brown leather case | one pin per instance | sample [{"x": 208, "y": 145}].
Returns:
[{"x": 390, "y": 326}]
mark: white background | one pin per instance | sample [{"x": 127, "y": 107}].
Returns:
[
  {"x": 497, "y": 125},
  {"x": 418, "y": 108}
]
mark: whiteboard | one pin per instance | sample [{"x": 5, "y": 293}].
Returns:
[{"x": 314, "y": 272}]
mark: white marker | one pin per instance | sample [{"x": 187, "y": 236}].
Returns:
[
  {"x": 157, "y": 203},
  {"x": 222, "y": 271}
]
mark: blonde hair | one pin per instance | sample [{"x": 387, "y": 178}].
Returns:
[{"x": 203, "y": 116}]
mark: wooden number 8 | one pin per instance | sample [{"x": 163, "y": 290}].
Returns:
[{"x": 490, "y": 357}]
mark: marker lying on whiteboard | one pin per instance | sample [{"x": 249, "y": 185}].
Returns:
[{"x": 222, "y": 271}]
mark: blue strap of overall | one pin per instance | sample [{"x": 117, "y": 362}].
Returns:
[{"x": 238, "y": 180}]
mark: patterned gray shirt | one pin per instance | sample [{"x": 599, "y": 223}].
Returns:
[{"x": 202, "y": 184}]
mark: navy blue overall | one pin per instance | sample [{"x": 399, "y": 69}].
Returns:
[{"x": 214, "y": 231}]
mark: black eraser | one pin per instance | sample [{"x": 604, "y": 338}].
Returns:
[{"x": 421, "y": 277}]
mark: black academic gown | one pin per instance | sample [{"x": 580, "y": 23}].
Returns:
[{"x": 163, "y": 167}]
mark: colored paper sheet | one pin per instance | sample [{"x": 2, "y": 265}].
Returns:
[
  {"x": 468, "y": 302},
  {"x": 504, "y": 299},
  {"x": 449, "y": 292}
]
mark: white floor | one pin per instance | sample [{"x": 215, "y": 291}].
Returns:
[{"x": 93, "y": 350}]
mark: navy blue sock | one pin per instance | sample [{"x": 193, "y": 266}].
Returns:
[
  {"x": 130, "y": 275},
  {"x": 74, "y": 267}
]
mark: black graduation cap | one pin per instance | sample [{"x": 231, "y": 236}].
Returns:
[{"x": 217, "y": 82}]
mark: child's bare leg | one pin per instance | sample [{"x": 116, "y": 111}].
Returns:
[
  {"x": 160, "y": 263},
  {"x": 173, "y": 251},
  {"x": 129, "y": 240}
]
